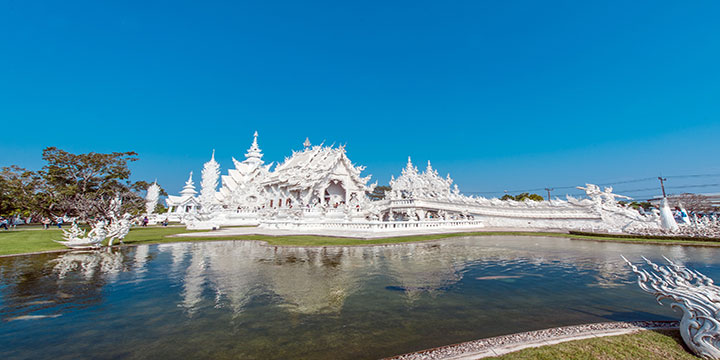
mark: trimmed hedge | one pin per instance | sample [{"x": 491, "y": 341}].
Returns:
[{"x": 649, "y": 237}]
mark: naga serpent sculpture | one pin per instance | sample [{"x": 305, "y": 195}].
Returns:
[{"x": 695, "y": 295}]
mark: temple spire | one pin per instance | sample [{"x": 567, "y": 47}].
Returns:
[
  {"x": 409, "y": 168},
  {"x": 254, "y": 154},
  {"x": 209, "y": 183},
  {"x": 189, "y": 188},
  {"x": 307, "y": 142}
]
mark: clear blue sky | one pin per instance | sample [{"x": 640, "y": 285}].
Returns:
[{"x": 501, "y": 94}]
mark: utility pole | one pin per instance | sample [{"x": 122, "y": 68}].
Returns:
[
  {"x": 662, "y": 184},
  {"x": 549, "y": 190}
]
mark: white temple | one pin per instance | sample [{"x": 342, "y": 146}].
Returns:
[
  {"x": 319, "y": 187},
  {"x": 185, "y": 204}
]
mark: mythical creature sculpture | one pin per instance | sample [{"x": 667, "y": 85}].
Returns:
[
  {"x": 75, "y": 238},
  {"x": 119, "y": 228},
  {"x": 113, "y": 227},
  {"x": 695, "y": 295}
]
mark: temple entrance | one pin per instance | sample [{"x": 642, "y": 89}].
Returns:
[{"x": 335, "y": 194}]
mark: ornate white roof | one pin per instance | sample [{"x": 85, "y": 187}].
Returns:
[
  {"x": 306, "y": 167},
  {"x": 413, "y": 184}
]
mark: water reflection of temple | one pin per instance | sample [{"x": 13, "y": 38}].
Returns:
[{"x": 233, "y": 274}]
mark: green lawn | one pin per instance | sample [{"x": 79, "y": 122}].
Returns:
[
  {"x": 650, "y": 345},
  {"x": 25, "y": 241}
]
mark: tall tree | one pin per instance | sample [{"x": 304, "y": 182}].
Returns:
[
  {"x": 21, "y": 192},
  {"x": 83, "y": 185}
]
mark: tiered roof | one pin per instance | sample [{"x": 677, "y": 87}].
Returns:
[{"x": 306, "y": 167}]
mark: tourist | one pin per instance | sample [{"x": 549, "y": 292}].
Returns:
[
  {"x": 4, "y": 223},
  {"x": 59, "y": 221},
  {"x": 46, "y": 222},
  {"x": 145, "y": 221},
  {"x": 165, "y": 222}
]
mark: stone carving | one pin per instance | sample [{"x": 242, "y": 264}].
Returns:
[
  {"x": 151, "y": 199},
  {"x": 695, "y": 295}
]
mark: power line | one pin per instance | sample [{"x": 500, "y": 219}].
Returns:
[{"x": 607, "y": 183}]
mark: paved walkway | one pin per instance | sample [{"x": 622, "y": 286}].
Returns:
[
  {"x": 502, "y": 345},
  {"x": 359, "y": 234}
]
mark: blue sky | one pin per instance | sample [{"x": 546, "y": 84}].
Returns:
[{"x": 502, "y": 95}]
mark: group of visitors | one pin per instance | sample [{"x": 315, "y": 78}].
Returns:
[
  {"x": 4, "y": 223},
  {"x": 9, "y": 223}
]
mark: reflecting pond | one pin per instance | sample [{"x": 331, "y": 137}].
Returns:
[{"x": 245, "y": 300}]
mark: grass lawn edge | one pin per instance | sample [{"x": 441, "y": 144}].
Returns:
[{"x": 160, "y": 235}]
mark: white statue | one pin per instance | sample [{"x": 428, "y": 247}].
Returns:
[
  {"x": 151, "y": 199},
  {"x": 695, "y": 295},
  {"x": 113, "y": 227},
  {"x": 75, "y": 238},
  {"x": 610, "y": 198},
  {"x": 593, "y": 192},
  {"x": 119, "y": 228},
  {"x": 666, "y": 217}
]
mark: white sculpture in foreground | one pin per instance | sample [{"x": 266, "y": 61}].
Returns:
[
  {"x": 695, "y": 295},
  {"x": 319, "y": 187},
  {"x": 75, "y": 237},
  {"x": 114, "y": 227}
]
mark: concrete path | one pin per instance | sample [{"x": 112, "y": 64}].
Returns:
[{"x": 501, "y": 345}]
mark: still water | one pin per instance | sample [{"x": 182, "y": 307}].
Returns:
[{"x": 244, "y": 300}]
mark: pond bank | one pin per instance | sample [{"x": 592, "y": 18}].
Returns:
[{"x": 501, "y": 345}]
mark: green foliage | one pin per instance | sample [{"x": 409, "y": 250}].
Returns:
[
  {"x": 160, "y": 208},
  {"x": 379, "y": 192},
  {"x": 83, "y": 185},
  {"x": 78, "y": 185},
  {"x": 636, "y": 205},
  {"x": 20, "y": 191},
  {"x": 522, "y": 197}
]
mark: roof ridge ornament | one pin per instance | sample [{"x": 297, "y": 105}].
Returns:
[{"x": 307, "y": 143}]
